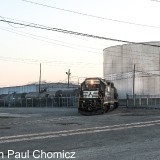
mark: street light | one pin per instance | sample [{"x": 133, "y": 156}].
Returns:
[{"x": 68, "y": 73}]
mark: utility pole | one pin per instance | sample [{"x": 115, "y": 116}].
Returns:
[
  {"x": 40, "y": 79},
  {"x": 134, "y": 83},
  {"x": 68, "y": 73}
]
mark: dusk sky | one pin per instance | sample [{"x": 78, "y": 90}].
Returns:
[{"x": 22, "y": 49}]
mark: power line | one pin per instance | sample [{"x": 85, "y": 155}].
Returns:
[
  {"x": 93, "y": 16},
  {"x": 42, "y": 37},
  {"x": 127, "y": 75},
  {"x": 73, "y": 36},
  {"x": 33, "y": 25},
  {"x": 45, "y": 39},
  {"x": 50, "y": 63},
  {"x": 49, "y": 40},
  {"x": 10, "y": 24},
  {"x": 66, "y": 31},
  {"x": 110, "y": 54}
]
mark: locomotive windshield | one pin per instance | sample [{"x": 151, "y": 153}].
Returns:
[{"x": 92, "y": 84}]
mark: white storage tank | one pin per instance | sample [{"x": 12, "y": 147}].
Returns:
[{"x": 118, "y": 66}]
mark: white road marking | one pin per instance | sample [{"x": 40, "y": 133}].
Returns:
[
  {"x": 17, "y": 115},
  {"x": 43, "y": 121},
  {"x": 56, "y": 134}
]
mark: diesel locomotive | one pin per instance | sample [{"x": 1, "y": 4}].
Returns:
[{"x": 97, "y": 96}]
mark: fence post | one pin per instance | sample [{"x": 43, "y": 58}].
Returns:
[
  {"x": 52, "y": 101},
  {"x": 134, "y": 100},
  {"x": 67, "y": 101},
  {"x": 147, "y": 101},
  {"x": 32, "y": 102},
  {"x": 140, "y": 102},
  {"x": 21, "y": 102},
  {"x": 39, "y": 102},
  {"x": 127, "y": 98},
  {"x": 14, "y": 102},
  {"x": 46, "y": 101}
]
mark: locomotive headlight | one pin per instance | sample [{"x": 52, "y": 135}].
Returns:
[{"x": 92, "y": 82}]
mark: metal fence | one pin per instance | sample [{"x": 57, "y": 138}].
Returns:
[
  {"x": 149, "y": 101},
  {"x": 40, "y": 102},
  {"x": 146, "y": 101}
]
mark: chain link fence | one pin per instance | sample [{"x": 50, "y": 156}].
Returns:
[
  {"x": 138, "y": 101},
  {"x": 146, "y": 101}
]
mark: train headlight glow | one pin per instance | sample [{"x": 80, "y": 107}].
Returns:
[{"x": 92, "y": 82}]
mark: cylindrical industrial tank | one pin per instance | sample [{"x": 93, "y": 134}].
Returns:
[{"x": 119, "y": 63}]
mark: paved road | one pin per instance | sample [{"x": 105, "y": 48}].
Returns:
[{"x": 47, "y": 133}]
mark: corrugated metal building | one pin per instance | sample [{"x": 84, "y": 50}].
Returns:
[{"x": 119, "y": 62}]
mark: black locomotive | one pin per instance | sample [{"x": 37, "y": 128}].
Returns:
[{"x": 97, "y": 96}]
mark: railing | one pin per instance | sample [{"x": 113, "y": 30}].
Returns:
[
  {"x": 150, "y": 101},
  {"x": 137, "y": 101},
  {"x": 41, "y": 102}
]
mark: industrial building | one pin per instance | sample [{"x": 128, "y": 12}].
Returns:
[
  {"x": 134, "y": 68},
  {"x": 35, "y": 88}
]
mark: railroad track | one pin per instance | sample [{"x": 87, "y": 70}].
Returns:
[{"x": 65, "y": 133}]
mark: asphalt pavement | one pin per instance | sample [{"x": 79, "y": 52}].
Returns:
[{"x": 62, "y": 133}]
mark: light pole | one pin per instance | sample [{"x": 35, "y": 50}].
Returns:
[
  {"x": 68, "y": 73},
  {"x": 134, "y": 71},
  {"x": 40, "y": 79}
]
